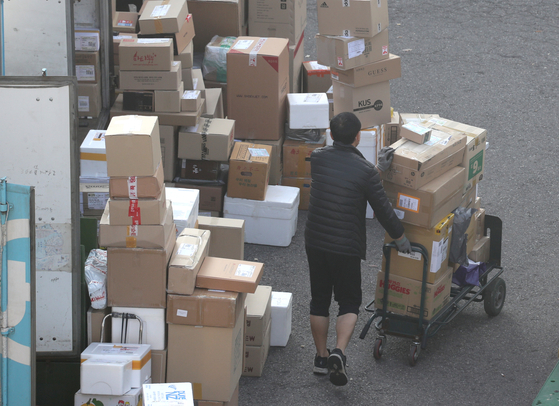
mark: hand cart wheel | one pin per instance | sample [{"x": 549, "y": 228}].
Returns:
[
  {"x": 379, "y": 344},
  {"x": 494, "y": 297},
  {"x": 415, "y": 349}
]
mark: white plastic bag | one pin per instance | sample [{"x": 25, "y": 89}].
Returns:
[{"x": 96, "y": 278}]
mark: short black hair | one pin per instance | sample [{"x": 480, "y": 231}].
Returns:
[{"x": 345, "y": 127}]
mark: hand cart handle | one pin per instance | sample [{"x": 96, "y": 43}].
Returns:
[{"x": 124, "y": 316}]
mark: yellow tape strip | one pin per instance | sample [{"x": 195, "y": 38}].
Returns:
[
  {"x": 197, "y": 390},
  {"x": 131, "y": 242},
  {"x": 158, "y": 25},
  {"x": 89, "y": 156}
]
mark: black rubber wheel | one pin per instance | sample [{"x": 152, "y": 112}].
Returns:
[
  {"x": 413, "y": 355},
  {"x": 494, "y": 297},
  {"x": 377, "y": 353}
]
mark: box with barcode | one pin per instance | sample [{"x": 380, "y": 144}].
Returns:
[
  {"x": 307, "y": 110},
  {"x": 87, "y": 66},
  {"x": 416, "y": 133},
  {"x": 86, "y": 40},
  {"x": 249, "y": 171},
  {"x": 171, "y": 394},
  {"x": 229, "y": 274},
  {"x": 146, "y": 54}
]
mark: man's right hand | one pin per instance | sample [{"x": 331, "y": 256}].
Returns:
[
  {"x": 384, "y": 159},
  {"x": 403, "y": 244}
]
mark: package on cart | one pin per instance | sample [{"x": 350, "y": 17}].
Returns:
[
  {"x": 214, "y": 65},
  {"x": 153, "y": 327},
  {"x": 297, "y": 156},
  {"x": 249, "y": 170},
  {"x": 229, "y": 274},
  {"x": 392, "y": 129},
  {"x": 278, "y": 211},
  {"x": 133, "y": 398},
  {"x": 185, "y": 206},
  {"x": 416, "y": 133},
  {"x": 259, "y": 311},
  {"x": 351, "y": 52},
  {"x": 358, "y": 18},
  {"x": 163, "y": 16},
  {"x": 169, "y": 101},
  {"x": 141, "y": 211},
  {"x": 180, "y": 39},
  {"x": 227, "y": 236},
  {"x": 105, "y": 376},
  {"x": 93, "y": 157},
  {"x": 211, "y": 139},
  {"x": 481, "y": 250},
  {"x": 151, "y": 80},
  {"x": 281, "y": 315},
  {"x": 316, "y": 77},
  {"x": 307, "y": 110},
  {"x": 256, "y": 355},
  {"x": 133, "y": 187},
  {"x": 171, "y": 394},
  {"x": 146, "y": 54},
  {"x": 191, "y": 248},
  {"x": 371, "y": 73}
]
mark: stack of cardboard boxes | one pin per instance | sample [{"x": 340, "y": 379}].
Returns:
[
  {"x": 94, "y": 181},
  {"x": 88, "y": 72}
]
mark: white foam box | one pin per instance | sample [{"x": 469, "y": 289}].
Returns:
[
  {"x": 131, "y": 398},
  {"x": 415, "y": 132},
  {"x": 93, "y": 157},
  {"x": 172, "y": 394},
  {"x": 185, "y": 206},
  {"x": 282, "y": 306},
  {"x": 153, "y": 323},
  {"x": 307, "y": 110},
  {"x": 272, "y": 221},
  {"x": 139, "y": 354},
  {"x": 105, "y": 376}
]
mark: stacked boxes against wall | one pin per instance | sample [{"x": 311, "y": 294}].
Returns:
[
  {"x": 88, "y": 72},
  {"x": 437, "y": 164},
  {"x": 94, "y": 181}
]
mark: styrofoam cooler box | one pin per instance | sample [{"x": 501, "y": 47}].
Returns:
[
  {"x": 153, "y": 326},
  {"x": 93, "y": 158},
  {"x": 131, "y": 398},
  {"x": 185, "y": 206},
  {"x": 272, "y": 221},
  {"x": 282, "y": 307},
  {"x": 307, "y": 110},
  {"x": 139, "y": 354},
  {"x": 101, "y": 376}
]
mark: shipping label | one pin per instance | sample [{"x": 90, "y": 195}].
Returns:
[
  {"x": 160, "y": 11},
  {"x": 243, "y": 44},
  {"x": 355, "y": 48},
  {"x": 438, "y": 254},
  {"x": 187, "y": 250},
  {"x": 83, "y": 103},
  {"x": 182, "y": 313},
  {"x": 408, "y": 202},
  {"x": 97, "y": 201},
  {"x": 85, "y": 72},
  {"x": 258, "y": 152},
  {"x": 245, "y": 270}
]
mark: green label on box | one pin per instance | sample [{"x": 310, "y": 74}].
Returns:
[{"x": 476, "y": 165}]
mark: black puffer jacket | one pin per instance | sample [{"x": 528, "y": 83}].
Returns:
[{"x": 342, "y": 183}]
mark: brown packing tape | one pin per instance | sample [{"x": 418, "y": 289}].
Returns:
[
  {"x": 158, "y": 25},
  {"x": 88, "y": 156},
  {"x": 301, "y": 167},
  {"x": 197, "y": 390},
  {"x": 131, "y": 242}
]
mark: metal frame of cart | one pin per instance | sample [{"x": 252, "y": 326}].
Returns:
[{"x": 492, "y": 292}]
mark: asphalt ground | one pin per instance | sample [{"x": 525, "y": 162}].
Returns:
[{"x": 492, "y": 65}]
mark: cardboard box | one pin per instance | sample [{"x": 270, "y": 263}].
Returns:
[
  {"x": 210, "y": 139},
  {"x": 255, "y": 356},
  {"x": 316, "y": 77},
  {"x": 140, "y": 236},
  {"x": 87, "y": 66},
  {"x": 168, "y": 135},
  {"x": 116, "y": 43},
  {"x": 180, "y": 39},
  {"x": 296, "y": 58},
  {"x": 133, "y": 187},
  {"x": 304, "y": 186},
  {"x": 297, "y": 158},
  {"x": 211, "y": 196},
  {"x": 371, "y": 73},
  {"x": 133, "y": 146},
  {"x": 133, "y": 397},
  {"x": 205, "y": 308},
  {"x": 137, "y": 277},
  {"x": 125, "y": 21},
  {"x": 152, "y": 80},
  {"x": 229, "y": 274},
  {"x": 415, "y": 132},
  {"x": 428, "y": 205},
  {"x": 480, "y": 252},
  {"x": 192, "y": 169},
  {"x": 186, "y": 56},
  {"x": 128, "y": 212},
  {"x": 358, "y": 18},
  {"x": 217, "y": 353},
  {"x": 163, "y": 16},
  {"x": 94, "y": 195},
  {"x": 93, "y": 156},
  {"x": 214, "y": 103},
  {"x": 257, "y": 85},
  {"x": 415, "y": 117},
  {"x": 392, "y": 129},
  {"x": 185, "y": 206},
  {"x": 171, "y": 394},
  {"x": 140, "y": 100},
  {"x": 210, "y": 84},
  {"x": 371, "y": 103},
  {"x": 154, "y": 330},
  {"x": 404, "y": 294},
  {"x": 159, "y": 366},
  {"x": 227, "y": 236},
  {"x": 249, "y": 169},
  {"x": 480, "y": 223},
  {"x": 234, "y": 401},
  {"x": 350, "y": 52},
  {"x": 169, "y": 101},
  {"x": 268, "y": 18},
  {"x": 86, "y": 40},
  {"x": 276, "y": 166},
  {"x": 436, "y": 241},
  {"x": 415, "y": 165},
  {"x": 89, "y": 100},
  {"x": 191, "y": 100},
  {"x": 282, "y": 309},
  {"x": 145, "y": 54},
  {"x": 307, "y": 110},
  {"x": 259, "y": 315},
  {"x": 190, "y": 250}
]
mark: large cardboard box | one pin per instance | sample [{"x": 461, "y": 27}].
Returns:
[
  {"x": 145, "y": 54},
  {"x": 256, "y": 355},
  {"x": 249, "y": 170},
  {"x": 257, "y": 86},
  {"x": 210, "y": 139},
  {"x": 268, "y": 18},
  {"x": 133, "y": 146},
  {"x": 436, "y": 241},
  {"x": 152, "y": 80},
  {"x": 190, "y": 250},
  {"x": 205, "y": 308},
  {"x": 169, "y": 140},
  {"x": 404, "y": 294},
  {"x": 217, "y": 353},
  {"x": 296, "y": 58},
  {"x": 163, "y": 16},
  {"x": 259, "y": 311},
  {"x": 415, "y": 165},
  {"x": 358, "y": 18},
  {"x": 136, "y": 236},
  {"x": 316, "y": 77},
  {"x": 371, "y": 73},
  {"x": 87, "y": 66},
  {"x": 428, "y": 205},
  {"x": 227, "y": 236},
  {"x": 128, "y": 212},
  {"x": 350, "y": 52},
  {"x": 137, "y": 277},
  {"x": 89, "y": 100},
  {"x": 297, "y": 158},
  {"x": 304, "y": 186},
  {"x": 234, "y": 401},
  {"x": 229, "y": 274},
  {"x": 371, "y": 103},
  {"x": 133, "y": 187},
  {"x": 276, "y": 165},
  {"x": 180, "y": 39}
]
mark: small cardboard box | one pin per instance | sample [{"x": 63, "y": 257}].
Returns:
[
  {"x": 211, "y": 139},
  {"x": 229, "y": 274},
  {"x": 145, "y": 54},
  {"x": 404, "y": 294},
  {"x": 214, "y": 103},
  {"x": 128, "y": 212},
  {"x": 163, "y": 16},
  {"x": 190, "y": 250},
  {"x": 89, "y": 99},
  {"x": 307, "y": 110},
  {"x": 169, "y": 140},
  {"x": 180, "y": 39},
  {"x": 436, "y": 241},
  {"x": 267, "y": 18},
  {"x": 171, "y": 394},
  {"x": 358, "y": 18},
  {"x": 371, "y": 73},
  {"x": 227, "y": 236},
  {"x": 428, "y": 205},
  {"x": 152, "y": 80},
  {"x": 133, "y": 187},
  {"x": 282, "y": 309},
  {"x": 186, "y": 56},
  {"x": 211, "y": 197},
  {"x": 371, "y": 103},
  {"x": 480, "y": 252},
  {"x": 297, "y": 158},
  {"x": 86, "y": 40},
  {"x": 168, "y": 101},
  {"x": 316, "y": 77},
  {"x": 137, "y": 277},
  {"x": 197, "y": 169},
  {"x": 93, "y": 156},
  {"x": 259, "y": 311},
  {"x": 139, "y": 236},
  {"x": 249, "y": 170},
  {"x": 276, "y": 166},
  {"x": 205, "y": 308},
  {"x": 414, "y": 165},
  {"x": 256, "y": 355},
  {"x": 350, "y": 52},
  {"x": 191, "y": 100},
  {"x": 87, "y": 66},
  {"x": 415, "y": 132},
  {"x": 138, "y": 100},
  {"x": 125, "y": 21}
]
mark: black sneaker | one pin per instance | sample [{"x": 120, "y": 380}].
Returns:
[
  {"x": 321, "y": 364},
  {"x": 336, "y": 366}
]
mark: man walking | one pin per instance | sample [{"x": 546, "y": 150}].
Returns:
[{"x": 343, "y": 181}]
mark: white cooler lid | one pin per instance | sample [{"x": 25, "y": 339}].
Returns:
[{"x": 281, "y": 202}]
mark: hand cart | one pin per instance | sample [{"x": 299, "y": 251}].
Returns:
[
  {"x": 492, "y": 292},
  {"x": 124, "y": 326}
]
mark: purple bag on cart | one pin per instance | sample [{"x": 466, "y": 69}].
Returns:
[{"x": 469, "y": 275}]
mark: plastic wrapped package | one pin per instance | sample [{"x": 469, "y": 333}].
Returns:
[
  {"x": 462, "y": 217},
  {"x": 314, "y": 135},
  {"x": 96, "y": 278},
  {"x": 214, "y": 65}
]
